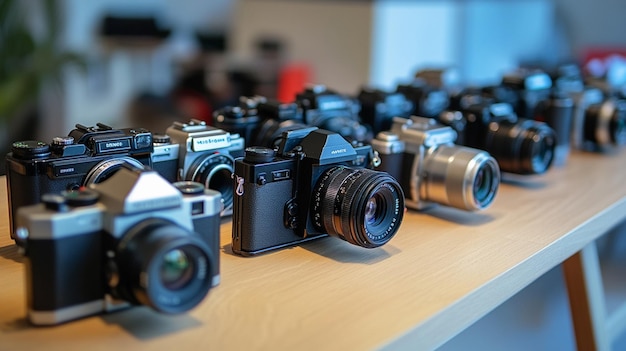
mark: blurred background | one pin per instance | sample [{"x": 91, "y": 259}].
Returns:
[{"x": 147, "y": 63}]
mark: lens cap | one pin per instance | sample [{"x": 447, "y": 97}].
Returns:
[
  {"x": 80, "y": 197},
  {"x": 30, "y": 149},
  {"x": 189, "y": 188},
  {"x": 259, "y": 154}
]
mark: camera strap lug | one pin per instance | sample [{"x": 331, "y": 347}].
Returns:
[{"x": 239, "y": 189}]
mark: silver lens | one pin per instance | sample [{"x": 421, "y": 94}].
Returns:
[{"x": 460, "y": 177}]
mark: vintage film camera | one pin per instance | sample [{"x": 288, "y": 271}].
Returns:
[
  {"x": 520, "y": 146},
  {"x": 313, "y": 185},
  {"x": 196, "y": 152},
  {"x": 599, "y": 121},
  {"x": 86, "y": 156},
  {"x": 134, "y": 239},
  {"x": 262, "y": 121},
  {"x": 378, "y": 107},
  {"x": 421, "y": 155},
  {"x": 329, "y": 110}
]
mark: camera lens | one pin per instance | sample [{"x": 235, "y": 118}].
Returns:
[
  {"x": 460, "y": 177},
  {"x": 176, "y": 269},
  {"x": 483, "y": 184},
  {"x": 525, "y": 147},
  {"x": 215, "y": 172},
  {"x": 605, "y": 124},
  {"x": 163, "y": 265},
  {"x": 105, "y": 169},
  {"x": 361, "y": 206}
]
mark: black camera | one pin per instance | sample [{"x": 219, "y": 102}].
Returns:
[
  {"x": 599, "y": 121},
  {"x": 428, "y": 100},
  {"x": 134, "y": 239},
  {"x": 242, "y": 119},
  {"x": 86, "y": 156},
  {"x": 421, "y": 155},
  {"x": 196, "y": 152},
  {"x": 263, "y": 121},
  {"x": 378, "y": 108},
  {"x": 520, "y": 146},
  {"x": 327, "y": 109},
  {"x": 531, "y": 93},
  {"x": 313, "y": 185}
]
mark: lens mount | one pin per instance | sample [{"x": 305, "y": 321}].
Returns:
[
  {"x": 215, "y": 172},
  {"x": 361, "y": 206},
  {"x": 164, "y": 266},
  {"x": 104, "y": 169}
]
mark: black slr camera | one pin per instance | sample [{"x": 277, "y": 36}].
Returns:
[
  {"x": 421, "y": 155},
  {"x": 88, "y": 155},
  {"x": 134, "y": 239},
  {"x": 259, "y": 120},
  {"x": 327, "y": 109},
  {"x": 313, "y": 185},
  {"x": 196, "y": 152},
  {"x": 531, "y": 93},
  {"x": 599, "y": 121},
  {"x": 520, "y": 146},
  {"x": 378, "y": 107}
]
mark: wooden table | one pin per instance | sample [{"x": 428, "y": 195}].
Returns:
[{"x": 444, "y": 270}]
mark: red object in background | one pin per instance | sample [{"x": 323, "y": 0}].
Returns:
[
  {"x": 292, "y": 79},
  {"x": 597, "y": 60},
  {"x": 195, "y": 106}
]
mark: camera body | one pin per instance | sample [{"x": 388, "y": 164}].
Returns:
[
  {"x": 379, "y": 107},
  {"x": 421, "y": 155},
  {"x": 134, "y": 239},
  {"x": 86, "y": 156},
  {"x": 520, "y": 146},
  {"x": 428, "y": 100},
  {"x": 242, "y": 119},
  {"x": 599, "y": 123},
  {"x": 327, "y": 109},
  {"x": 204, "y": 155},
  {"x": 303, "y": 177}
]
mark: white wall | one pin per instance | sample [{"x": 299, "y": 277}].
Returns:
[
  {"x": 115, "y": 75},
  {"x": 332, "y": 36}
]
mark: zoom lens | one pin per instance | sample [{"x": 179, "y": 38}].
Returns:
[
  {"x": 525, "y": 147},
  {"x": 162, "y": 265},
  {"x": 460, "y": 177},
  {"x": 361, "y": 206},
  {"x": 215, "y": 172}
]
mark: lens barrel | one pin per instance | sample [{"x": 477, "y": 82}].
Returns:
[
  {"x": 164, "y": 266},
  {"x": 524, "y": 147},
  {"x": 215, "y": 172},
  {"x": 362, "y": 206},
  {"x": 460, "y": 177}
]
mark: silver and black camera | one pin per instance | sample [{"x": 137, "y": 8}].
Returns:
[
  {"x": 87, "y": 155},
  {"x": 421, "y": 155},
  {"x": 196, "y": 152},
  {"x": 313, "y": 185},
  {"x": 134, "y": 239}
]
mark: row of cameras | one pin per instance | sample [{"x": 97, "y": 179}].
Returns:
[{"x": 134, "y": 205}]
